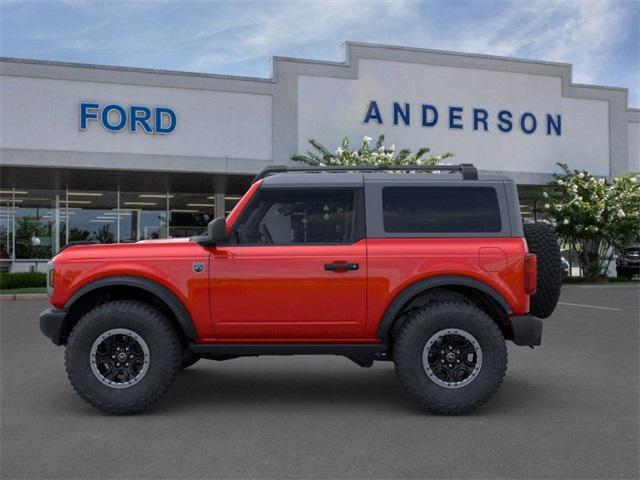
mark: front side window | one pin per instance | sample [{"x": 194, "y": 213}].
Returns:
[
  {"x": 297, "y": 217},
  {"x": 441, "y": 210}
]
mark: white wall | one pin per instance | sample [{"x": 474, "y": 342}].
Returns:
[
  {"x": 329, "y": 108},
  {"x": 633, "y": 136},
  {"x": 43, "y": 114}
]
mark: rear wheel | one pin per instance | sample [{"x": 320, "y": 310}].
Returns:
[
  {"x": 451, "y": 357},
  {"x": 122, "y": 356}
]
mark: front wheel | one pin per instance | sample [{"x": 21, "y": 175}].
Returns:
[
  {"x": 451, "y": 357},
  {"x": 123, "y": 356}
]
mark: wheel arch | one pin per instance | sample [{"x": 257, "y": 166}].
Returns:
[
  {"x": 493, "y": 301},
  {"x": 134, "y": 288}
]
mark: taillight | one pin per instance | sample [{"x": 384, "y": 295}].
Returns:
[{"x": 530, "y": 273}]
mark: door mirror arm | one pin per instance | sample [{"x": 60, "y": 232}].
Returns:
[{"x": 216, "y": 233}]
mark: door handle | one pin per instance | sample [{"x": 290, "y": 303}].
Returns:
[{"x": 341, "y": 266}]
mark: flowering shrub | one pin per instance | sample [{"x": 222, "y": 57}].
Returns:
[
  {"x": 367, "y": 155},
  {"x": 594, "y": 215}
]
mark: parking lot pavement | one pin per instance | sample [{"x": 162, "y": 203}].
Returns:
[{"x": 568, "y": 409}]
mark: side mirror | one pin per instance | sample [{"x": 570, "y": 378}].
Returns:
[
  {"x": 217, "y": 230},
  {"x": 216, "y": 233}
]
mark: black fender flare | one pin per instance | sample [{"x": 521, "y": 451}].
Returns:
[
  {"x": 154, "y": 288},
  {"x": 395, "y": 307}
]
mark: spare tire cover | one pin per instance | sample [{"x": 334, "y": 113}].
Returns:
[{"x": 542, "y": 240}]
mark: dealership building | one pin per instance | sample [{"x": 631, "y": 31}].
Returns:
[{"x": 112, "y": 154}]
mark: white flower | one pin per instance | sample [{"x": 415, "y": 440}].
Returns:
[
  {"x": 367, "y": 139},
  {"x": 545, "y": 194},
  {"x": 579, "y": 198},
  {"x": 565, "y": 221},
  {"x": 374, "y": 155},
  {"x": 393, "y": 148},
  {"x": 381, "y": 149},
  {"x": 560, "y": 182},
  {"x": 574, "y": 188},
  {"x": 546, "y": 205},
  {"x": 558, "y": 207},
  {"x": 581, "y": 175},
  {"x": 339, "y": 151},
  {"x": 634, "y": 179},
  {"x": 601, "y": 181},
  {"x": 621, "y": 213},
  {"x": 355, "y": 155}
]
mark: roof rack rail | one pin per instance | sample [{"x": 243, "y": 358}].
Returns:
[{"x": 468, "y": 171}]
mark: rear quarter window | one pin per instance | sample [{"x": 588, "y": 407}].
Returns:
[{"x": 440, "y": 209}]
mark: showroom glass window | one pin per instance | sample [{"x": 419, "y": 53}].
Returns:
[
  {"x": 6, "y": 227},
  {"x": 38, "y": 227},
  {"x": 190, "y": 213},
  {"x": 298, "y": 217},
  {"x": 90, "y": 216},
  {"x": 144, "y": 215},
  {"x": 36, "y": 224}
]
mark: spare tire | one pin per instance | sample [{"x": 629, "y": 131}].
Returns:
[{"x": 542, "y": 241}]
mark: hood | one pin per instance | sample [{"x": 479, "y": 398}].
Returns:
[{"x": 141, "y": 249}]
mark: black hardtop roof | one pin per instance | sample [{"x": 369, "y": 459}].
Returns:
[{"x": 283, "y": 176}]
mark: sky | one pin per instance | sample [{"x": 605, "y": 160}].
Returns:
[{"x": 601, "y": 38}]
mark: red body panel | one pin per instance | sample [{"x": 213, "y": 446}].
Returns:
[
  {"x": 394, "y": 264},
  {"x": 240, "y": 206},
  {"x": 283, "y": 293},
  {"x": 167, "y": 262}
]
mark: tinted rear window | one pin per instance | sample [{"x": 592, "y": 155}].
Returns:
[{"x": 440, "y": 210}]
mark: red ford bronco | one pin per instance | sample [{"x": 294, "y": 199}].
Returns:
[{"x": 433, "y": 271}]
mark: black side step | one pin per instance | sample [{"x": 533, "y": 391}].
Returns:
[{"x": 241, "y": 349}]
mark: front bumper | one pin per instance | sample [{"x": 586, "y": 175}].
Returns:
[
  {"x": 527, "y": 330},
  {"x": 52, "y": 325}
]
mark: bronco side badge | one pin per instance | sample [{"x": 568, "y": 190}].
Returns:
[{"x": 198, "y": 267}]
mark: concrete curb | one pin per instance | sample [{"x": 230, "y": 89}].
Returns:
[
  {"x": 23, "y": 296},
  {"x": 606, "y": 285}
]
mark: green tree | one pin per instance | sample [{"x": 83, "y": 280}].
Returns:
[
  {"x": 104, "y": 234},
  {"x": 367, "y": 154},
  {"x": 30, "y": 233},
  {"x": 595, "y": 216},
  {"x": 78, "y": 234}
]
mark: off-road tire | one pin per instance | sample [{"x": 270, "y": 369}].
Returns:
[
  {"x": 542, "y": 240},
  {"x": 165, "y": 356},
  {"x": 419, "y": 326},
  {"x": 188, "y": 358}
]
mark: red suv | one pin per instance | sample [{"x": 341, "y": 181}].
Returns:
[{"x": 430, "y": 270}]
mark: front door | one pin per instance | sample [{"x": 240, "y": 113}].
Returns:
[{"x": 295, "y": 269}]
